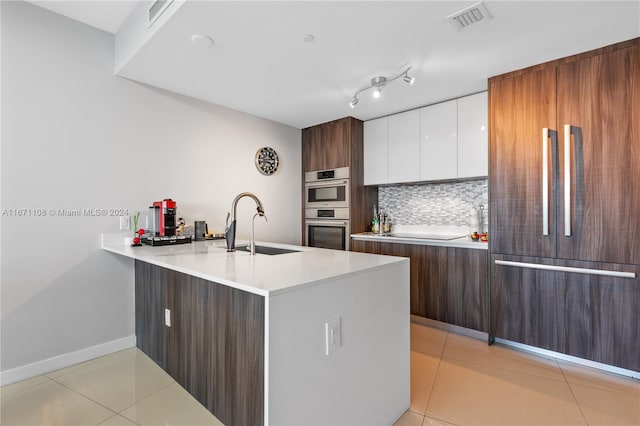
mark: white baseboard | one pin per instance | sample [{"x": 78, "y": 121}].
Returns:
[{"x": 61, "y": 361}]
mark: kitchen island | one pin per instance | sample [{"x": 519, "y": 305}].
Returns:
[{"x": 248, "y": 336}]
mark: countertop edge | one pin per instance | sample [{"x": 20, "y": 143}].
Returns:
[
  {"x": 265, "y": 292},
  {"x": 457, "y": 243}
]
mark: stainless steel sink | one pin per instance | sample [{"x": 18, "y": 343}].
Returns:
[{"x": 271, "y": 251}]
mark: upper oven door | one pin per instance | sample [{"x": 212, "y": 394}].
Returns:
[{"x": 333, "y": 193}]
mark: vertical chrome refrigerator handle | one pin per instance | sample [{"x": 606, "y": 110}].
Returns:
[
  {"x": 567, "y": 180},
  {"x": 545, "y": 181}
]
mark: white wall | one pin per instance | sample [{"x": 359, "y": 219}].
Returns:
[{"x": 75, "y": 136}]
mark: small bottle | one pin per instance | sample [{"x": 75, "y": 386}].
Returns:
[{"x": 375, "y": 226}]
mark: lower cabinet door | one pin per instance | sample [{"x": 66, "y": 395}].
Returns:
[
  {"x": 583, "y": 309},
  {"x": 447, "y": 284},
  {"x": 214, "y": 346}
]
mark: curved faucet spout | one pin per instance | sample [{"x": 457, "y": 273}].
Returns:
[{"x": 230, "y": 231}]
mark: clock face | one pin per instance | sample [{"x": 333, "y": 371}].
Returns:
[{"x": 267, "y": 160}]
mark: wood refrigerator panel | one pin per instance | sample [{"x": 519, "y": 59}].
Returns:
[
  {"x": 599, "y": 98},
  {"x": 521, "y": 106}
]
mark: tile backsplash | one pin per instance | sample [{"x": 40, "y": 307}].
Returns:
[{"x": 447, "y": 203}]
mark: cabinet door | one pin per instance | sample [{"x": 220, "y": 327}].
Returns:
[
  {"x": 600, "y": 98},
  {"x": 467, "y": 288},
  {"x": 151, "y": 287},
  {"x": 313, "y": 157},
  {"x": 326, "y": 146},
  {"x": 590, "y": 316},
  {"x": 336, "y": 139},
  {"x": 404, "y": 147},
  {"x": 473, "y": 136},
  {"x": 375, "y": 151},
  {"x": 602, "y": 316},
  {"x": 527, "y": 304},
  {"x": 439, "y": 141},
  {"x": 519, "y": 107}
]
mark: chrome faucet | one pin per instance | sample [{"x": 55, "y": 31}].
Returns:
[
  {"x": 230, "y": 231},
  {"x": 252, "y": 243}
]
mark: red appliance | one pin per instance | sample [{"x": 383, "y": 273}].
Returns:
[{"x": 163, "y": 218}]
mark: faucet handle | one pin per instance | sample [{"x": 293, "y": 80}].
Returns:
[{"x": 226, "y": 223}]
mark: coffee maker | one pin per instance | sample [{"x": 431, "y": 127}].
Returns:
[{"x": 163, "y": 218}]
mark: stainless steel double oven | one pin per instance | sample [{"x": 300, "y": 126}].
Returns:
[{"x": 326, "y": 202}]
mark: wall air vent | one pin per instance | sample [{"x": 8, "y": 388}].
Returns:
[
  {"x": 156, "y": 10},
  {"x": 468, "y": 16}
]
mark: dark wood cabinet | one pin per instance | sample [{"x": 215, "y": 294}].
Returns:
[
  {"x": 467, "y": 288},
  {"x": 585, "y": 315},
  {"x": 336, "y": 144},
  {"x": 214, "y": 347},
  {"x": 521, "y": 106},
  {"x": 446, "y": 284},
  {"x": 588, "y": 103},
  {"x": 598, "y": 95},
  {"x": 327, "y": 145}
]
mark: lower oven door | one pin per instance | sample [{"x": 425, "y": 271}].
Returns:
[{"x": 331, "y": 234}]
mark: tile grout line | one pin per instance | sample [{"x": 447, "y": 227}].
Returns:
[
  {"x": 147, "y": 397},
  {"x": 435, "y": 379},
  {"x": 586, "y": 422},
  {"x": 29, "y": 388},
  {"x": 84, "y": 396},
  {"x": 116, "y": 414},
  {"x": 518, "y": 353}
]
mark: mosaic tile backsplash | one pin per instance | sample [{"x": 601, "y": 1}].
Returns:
[{"x": 446, "y": 203}]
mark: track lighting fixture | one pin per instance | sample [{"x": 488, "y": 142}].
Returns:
[{"x": 378, "y": 83}]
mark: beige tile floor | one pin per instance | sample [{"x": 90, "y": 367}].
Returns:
[
  {"x": 455, "y": 380},
  {"x": 121, "y": 389}
]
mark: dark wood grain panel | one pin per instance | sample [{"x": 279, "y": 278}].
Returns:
[
  {"x": 600, "y": 96},
  {"x": 150, "y": 294},
  {"x": 526, "y": 304},
  {"x": 336, "y": 139},
  {"x": 446, "y": 284},
  {"x": 335, "y": 144},
  {"x": 215, "y": 347},
  {"x": 602, "y": 315},
  {"x": 590, "y": 316},
  {"x": 567, "y": 59},
  {"x": 467, "y": 288},
  {"x": 363, "y": 198},
  {"x": 519, "y": 108}
]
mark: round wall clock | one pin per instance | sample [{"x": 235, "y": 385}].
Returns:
[{"x": 267, "y": 160}]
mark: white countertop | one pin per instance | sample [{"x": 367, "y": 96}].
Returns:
[
  {"x": 260, "y": 274},
  {"x": 424, "y": 235}
]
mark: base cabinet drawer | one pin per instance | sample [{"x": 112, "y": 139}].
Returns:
[{"x": 568, "y": 309}]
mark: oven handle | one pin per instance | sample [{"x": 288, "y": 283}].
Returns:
[
  {"x": 338, "y": 182},
  {"x": 327, "y": 222}
]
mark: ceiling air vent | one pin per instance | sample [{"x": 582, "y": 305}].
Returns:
[
  {"x": 156, "y": 10},
  {"x": 471, "y": 15}
]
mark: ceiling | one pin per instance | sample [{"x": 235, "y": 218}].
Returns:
[{"x": 261, "y": 64}]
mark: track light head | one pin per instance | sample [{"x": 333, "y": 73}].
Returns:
[
  {"x": 409, "y": 80},
  {"x": 378, "y": 83}
]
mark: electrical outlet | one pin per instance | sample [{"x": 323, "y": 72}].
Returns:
[
  {"x": 167, "y": 317},
  {"x": 333, "y": 336},
  {"x": 124, "y": 223}
]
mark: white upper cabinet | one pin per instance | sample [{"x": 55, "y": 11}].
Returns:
[
  {"x": 404, "y": 147},
  {"x": 438, "y": 141},
  {"x": 473, "y": 136},
  {"x": 375, "y": 151},
  {"x": 444, "y": 141}
]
